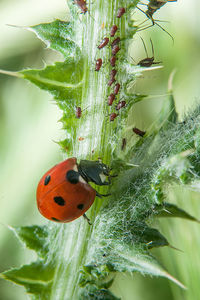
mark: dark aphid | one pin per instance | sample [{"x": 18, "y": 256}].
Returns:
[
  {"x": 98, "y": 64},
  {"x": 103, "y": 43},
  {"x": 123, "y": 144},
  {"x": 113, "y": 61},
  {"x": 82, "y": 5},
  {"x": 116, "y": 88},
  {"x": 139, "y": 132},
  {"x": 152, "y": 7},
  {"x": 78, "y": 112},
  {"x": 113, "y": 116},
  {"x": 111, "y": 81},
  {"x": 148, "y": 61},
  {"x": 111, "y": 98},
  {"x": 115, "y": 49},
  {"x": 113, "y": 73},
  {"x": 120, "y": 12},
  {"x": 113, "y": 30},
  {"x": 120, "y": 104},
  {"x": 115, "y": 42}
]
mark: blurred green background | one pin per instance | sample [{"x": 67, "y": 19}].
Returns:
[{"x": 29, "y": 128}]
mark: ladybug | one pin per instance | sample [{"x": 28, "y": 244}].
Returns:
[{"x": 63, "y": 193}]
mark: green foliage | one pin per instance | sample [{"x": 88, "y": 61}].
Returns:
[
  {"x": 58, "y": 35},
  {"x": 37, "y": 278},
  {"x": 77, "y": 261},
  {"x": 34, "y": 237}
]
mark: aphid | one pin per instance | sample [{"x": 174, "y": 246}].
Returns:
[
  {"x": 113, "y": 73},
  {"x": 63, "y": 193},
  {"x": 82, "y": 5},
  {"x": 103, "y": 43},
  {"x": 115, "y": 49},
  {"x": 121, "y": 104},
  {"x": 111, "y": 98},
  {"x": 113, "y": 116},
  {"x": 148, "y": 61},
  {"x": 111, "y": 81},
  {"x": 116, "y": 89},
  {"x": 98, "y": 64},
  {"x": 115, "y": 42},
  {"x": 113, "y": 30},
  {"x": 139, "y": 132},
  {"x": 123, "y": 144},
  {"x": 80, "y": 139},
  {"x": 120, "y": 12},
  {"x": 78, "y": 112},
  {"x": 152, "y": 7},
  {"x": 113, "y": 61}
]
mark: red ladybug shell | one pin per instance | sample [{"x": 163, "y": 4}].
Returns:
[{"x": 58, "y": 199}]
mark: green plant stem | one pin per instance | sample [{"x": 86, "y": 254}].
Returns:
[{"x": 73, "y": 237}]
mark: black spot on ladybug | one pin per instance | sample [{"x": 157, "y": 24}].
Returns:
[
  {"x": 72, "y": 176},
  {"x": 80, "y": 206},
  {"x": 59, "y": 200},
  {"x": 47, "y": 179},
  {"x": 54, "y": 219}
]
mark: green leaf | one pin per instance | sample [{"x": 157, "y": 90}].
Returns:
[
  {"x": 36, "y": 278},
  {"x": 34, "y": 237},
  {"x": 141, "y": 262},
  {"x": 63, "y": 80},
  {"x": 171, "y": 210},
  {"x": 152, "y": 237},
  {"x": 58, "y": 35}
]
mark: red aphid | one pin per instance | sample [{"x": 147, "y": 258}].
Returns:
[
  {"x": 103, "y": 43},
  {"x": 113, "y": 61},
  {"x": 113, "y": 30},
  {"x": 113, "y": 73},
  {"x": 115, "y": 49},
  {"x": 98, "y": 64},
  {"x": 115, "y": 42},
  {"x": 78, "y": 112},
  {"x": 120, "y": 104},
  {"x": 139, "y": 132},
  {"x": 111, "y": 98},
  {"x": 111, "y": 81},
  {"x": 116, "y": 88},
  {"x": 120, "y": 12},
  {"x": 113, "y": 116},
  {"x": 82, "y": 5}
]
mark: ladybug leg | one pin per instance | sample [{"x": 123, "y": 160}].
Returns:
[
  {"x": 87, "y": 219},
  {"x": 102, "y": 195},
  {"x": 112, "y": 176}
]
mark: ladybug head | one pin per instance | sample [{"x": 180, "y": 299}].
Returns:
[{"x": 94, "y": 171}]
